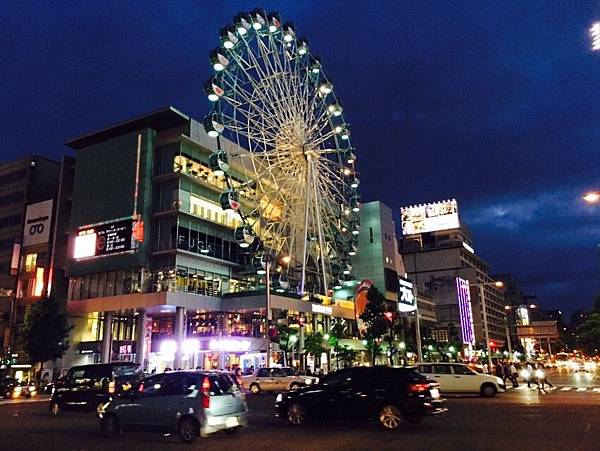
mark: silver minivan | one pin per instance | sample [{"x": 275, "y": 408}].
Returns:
[{"x": 190, "y": 403}]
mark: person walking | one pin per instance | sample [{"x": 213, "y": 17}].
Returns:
[
  {"x": 540, "y": 376},
  {"x": 506, "y": 374},
  {"x": 545, "y": 377},
  {"x": 513, "y": 375},
  {"x": 529, "y": 370}
]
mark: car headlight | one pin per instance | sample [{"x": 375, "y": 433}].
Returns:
[
  {"x": 18, "y": 389},
  {"x": 308, "y": 381},
  {"x": 279, "y": 398}
]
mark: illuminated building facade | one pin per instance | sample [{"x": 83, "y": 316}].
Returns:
[{"x": 155, "y": 274}]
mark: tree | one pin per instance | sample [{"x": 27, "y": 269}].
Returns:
[
  {"x": 375, "y": 321},
  {"x": 44, "y": 332},
  {"x": 287, "y": 341},
  {"x": 589, "y": 333},
  {"x": 346, "y": 355},
  {"x": 314, "y": 343}
]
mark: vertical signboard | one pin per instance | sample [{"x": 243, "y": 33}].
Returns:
[
  {"x": 37, "y": 223},
  {"x": 360, "y": 303},
  {"x": 465, "y": 311},
  {"x": 406, "y": 296}
]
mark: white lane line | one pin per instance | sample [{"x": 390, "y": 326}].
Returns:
[
  {"x": 566, "y": 388},
  {"x": 582, "y": 389}
]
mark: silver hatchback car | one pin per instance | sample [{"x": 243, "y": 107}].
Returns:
[{"x": 190, "y": 403}]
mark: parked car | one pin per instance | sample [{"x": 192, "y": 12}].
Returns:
[
  {"x": 276, "y": 379},
  {"x": 459, "y": 378},
  {"x": 190, "y": 403},
  {"x": 87, "y": 387},
  {"x": 391, "y": 396},
  {"x": 11, "y": 388}
]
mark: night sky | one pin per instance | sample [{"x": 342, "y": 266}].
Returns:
[{"x": 496, "y": 104}]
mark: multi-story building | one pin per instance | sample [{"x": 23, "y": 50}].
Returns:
[
  {"x": 436, "y": 250},
  {"x": 28, "y": 192},
  {"x": 155, "y": 273}
]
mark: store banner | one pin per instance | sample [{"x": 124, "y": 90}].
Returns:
[{"x": 38, "y": 219}]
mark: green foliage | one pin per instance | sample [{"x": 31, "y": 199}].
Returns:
[
  {"x": 45, "y": 330},
  {"x": 346, "y": 355},
  {"x": 376, "y": 323},
  {"x": 314, "y": 343},
  {"x": 589, "y": 332}
]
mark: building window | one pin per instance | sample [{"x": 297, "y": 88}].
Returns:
[
  {"x": 370, "y": 234},
  {"x": 30, "y": 262}
]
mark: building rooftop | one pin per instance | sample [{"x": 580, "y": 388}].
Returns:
[{"x": 162, "y": 119}]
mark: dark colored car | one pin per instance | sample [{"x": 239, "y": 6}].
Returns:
[
  {"x": 10, "y": 388},
  {"x": 190, "y": 403},
  {"x": 85, "y": 388},
  {"x": 389, "y": 395}
]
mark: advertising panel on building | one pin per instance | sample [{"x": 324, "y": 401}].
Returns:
[
  {"x": 106, "y": 239},
  {"x": 429, "y": 217},
  {"x": 466, "y": 313},
  {"x": 37, "y": 223},
  {"x": 406, "y": 296}
]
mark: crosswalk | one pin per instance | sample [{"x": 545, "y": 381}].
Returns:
[{"x": 566, "y": 388}]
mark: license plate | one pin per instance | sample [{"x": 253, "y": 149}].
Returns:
[
  {"x": 435, "y": 393},
  {"x": 231, "y": 422}
]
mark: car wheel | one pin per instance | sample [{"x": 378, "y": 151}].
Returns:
[
  {"x": 109, "y": 425},
  {"x": 188, "y": 430},
  {"x": 255, "y": 389},
  {"x": 390, "y": 417},
  {"x": 296, "y": 414},
  {"x": 488, "y": 390},
  {"x": 55, "y": 409},
  {"x": 294, "y": 386}
]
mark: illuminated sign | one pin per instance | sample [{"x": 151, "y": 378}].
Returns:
[
  {"x": 229, "y": 345},
  {"x": 37, "y": 223},
  {"x": 466, "y": 314},
  {"x": 429, "y": 217},
  {"x": 318, "y": 308},
  {"x": 108, "y": 238},
  {"x": 406, "y": 296}
]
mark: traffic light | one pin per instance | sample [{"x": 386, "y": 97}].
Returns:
[
  {"x": 492, "y": 344},
  {"x": 389, "y": 316}
]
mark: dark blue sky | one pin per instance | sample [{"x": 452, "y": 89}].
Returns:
[{"x": 494, "y": 103}]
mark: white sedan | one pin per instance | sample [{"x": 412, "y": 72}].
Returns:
[{"x": 459, "y": 378}]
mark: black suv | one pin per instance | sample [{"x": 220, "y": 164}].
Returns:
[
  {"x": 88, "y": 387},
  {"x": 389, "y": 395}
]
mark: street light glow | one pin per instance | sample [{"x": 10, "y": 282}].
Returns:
[
  {"x": 595, "y": 36},
  {"x": 592, "y": 197},
  {"x": 499, "y": 284}
]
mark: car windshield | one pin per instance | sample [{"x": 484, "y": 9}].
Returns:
[
  {"x": 126, "y": 370},
  {"x": 288, "y": 371}
]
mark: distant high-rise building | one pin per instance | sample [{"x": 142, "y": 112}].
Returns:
[{"x": 437, "y": 249}]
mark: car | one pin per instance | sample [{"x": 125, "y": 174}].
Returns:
[
  {"x": 190, "y": 403},
  {"x": 85, "y": 388},
  {"x": 276, "y": 379},
  {"x": 459, "y": 378},
  {"x": 391, "y": 396},
  {"x": 11, "y": 388}
]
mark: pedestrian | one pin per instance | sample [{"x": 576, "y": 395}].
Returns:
[
  {"x": 545, "y": 377},
  {"x": 499, "y": 370},
  {"x": 529, "y": 374},
  {"x": 506, "y": 373},
  {"x": 484, "y": 368},
  {"x": 540, "y": 376},
  {"x": 514, "y": 374}
]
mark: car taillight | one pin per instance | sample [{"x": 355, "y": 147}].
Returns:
[
  {"x": 417, "y": 388},
  {"x": 141, "y": 388},
  {"x": 111, "y": 387},
  {"x": 206, "y": 393}
]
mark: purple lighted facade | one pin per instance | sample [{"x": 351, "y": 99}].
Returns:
[{"x": 466, "y": 314}]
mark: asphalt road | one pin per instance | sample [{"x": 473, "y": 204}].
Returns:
[{"x": 567, "y": 417}]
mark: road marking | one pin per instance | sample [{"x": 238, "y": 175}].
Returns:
[
  {"x": 582, "y": 389},
  {"x": 521, "y": 387},
  {"x": 566, "y": 388}
]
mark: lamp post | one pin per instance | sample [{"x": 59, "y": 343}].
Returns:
[
  {"x": 486, "y": 332},
  {"x": 266, "y": 270}
]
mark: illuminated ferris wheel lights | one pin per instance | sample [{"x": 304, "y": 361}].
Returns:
[
  {"x": 288, "y": 32},
  {"x": 212, "y": 125},
  {"x": 355, "y": 182},
  {"x": 326, "y": 88},
  {"x": 228, "y": 37},
  {"x": 213, "y": 90},
  {"x": 302, "y": 47},
  {"x": 242, "y": 24},
  {"x": 337, "y": 285},
  {"x": 274, "y": 22},
  {"x": 335, "y": 109},
  {"x": 349, "y": 156},
  {"x": 218, "y": 60}
]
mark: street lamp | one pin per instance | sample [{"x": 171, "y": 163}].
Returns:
[
  {"x": 592, "y": 197},
  {"x": 486, "y": 332}
]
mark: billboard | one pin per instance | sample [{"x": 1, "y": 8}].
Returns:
[
  {"x": 109, "y": 238},
  {"x": 466, "y": 314},
  {"x": 37, "y": 223},
  {"x": 407, "y": 301},
  {"x": 360, "y": 303},
  {"x": 429, "y": 217}
]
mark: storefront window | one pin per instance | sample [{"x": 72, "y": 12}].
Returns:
[{"x": 30, "y": 262}]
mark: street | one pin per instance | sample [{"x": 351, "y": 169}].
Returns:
[{"x": 567, "y": 417}]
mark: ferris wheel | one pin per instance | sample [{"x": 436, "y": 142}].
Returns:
[{"x": 284, "y": 149}]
